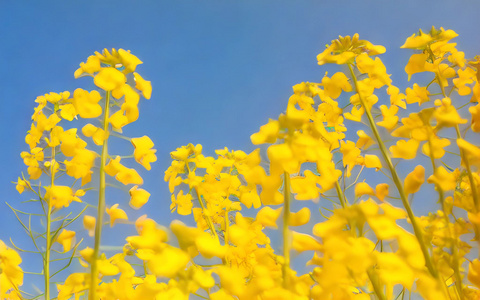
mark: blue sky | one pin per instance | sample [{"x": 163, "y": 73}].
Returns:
[{"x": 219, "y": 69}]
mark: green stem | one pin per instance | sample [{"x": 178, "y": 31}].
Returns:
[
  {"x": 208, "y": 218},
  {"x": 341, "y": 195},
  {"x": 376, "y": 286},
  {"x": 101, "y": 204},
  {"x": 398, "y": 183},
  {"x": 285, "y": 230},
  {"x": 46, "y": 265}
]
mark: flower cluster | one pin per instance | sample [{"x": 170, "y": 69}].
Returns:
[{"x": 366, "y": 241}]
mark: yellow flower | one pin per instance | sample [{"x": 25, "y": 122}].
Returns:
[
  {"x": 405, "y": 149},
  {"x": 334, "y": 86},
  {"x": 416, "y": 64},
  {"x": 381, "y": 191},
  {"x": 268, "y": 133},
  {"x": 138, "y": 197},
  {"x": 21, "y": 185},
  {"x": 116, "y": 213},
  {"x": 362, "y": 188},
  {"x": 268, "y": 216},
  {"x": 66, "y": 238},
  {"x": 372, "y": 161},
  {"x": 75, "y": 283},
  {"x": 304, "y": 242},
  {"x": 60, "y": 196},
  {"x": 86, "y": 103},
  {"x": 442, "y": 178},
  {"x": 208, "y": 246},
  {"x": 91, "y": 66},
  {"x": 97, "y": 134},
  {"x": 438, "y": 145},
  {"x": 143, "y": 85},
  {"x": 474, "y": 272},
  {"x": 475, "y": 111},
  {"x": 89, "y": 224},
  {"x": 123, "y": 174},
  {"x": 421, "y": 40},
  {"x": 418, "y": 94},
  {"x": 128, "y": 60},
  {"x": 109, "y": 79},
  {"x": 305, "y": 188},
  {"x": 11, "y": 275},
  {"x": 414, "y": 180},
  {"x": 344, "y": 49},
  {"x": 299, "y": 218},
  {"x": 143, "y": 153},
  {"x": 183, "y": 204},
  {"x": 390, "y": 119},
  {"x": 81, "y": 164},
  {"x": 472, "y": 152},
  {"x": 168, "y": 262},
  {"x": 446, "y": 114}
]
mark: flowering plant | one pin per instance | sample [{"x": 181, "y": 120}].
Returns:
[{"x": 365, "y": 240}]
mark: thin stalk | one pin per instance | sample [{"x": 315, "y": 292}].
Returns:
[
  {"x": 46, "y": 262},
  {"x": 207, "y": 217},
  {"x": 101, "y": 204},
  {"x": 376, "y": 287},
  {"x": 285, "y": 230},
  {"x": 341, "y": 195},
  {"x": 398, "y": 183}
]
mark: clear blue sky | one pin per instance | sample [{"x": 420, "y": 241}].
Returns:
[{"x": 219, "y": 69}]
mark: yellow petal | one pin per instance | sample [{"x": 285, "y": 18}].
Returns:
[
  {"x": 299, "y": 218},
  {"x": 414, "y": 180}
]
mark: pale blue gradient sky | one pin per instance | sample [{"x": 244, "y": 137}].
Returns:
[{"x": 219, "y": 69}]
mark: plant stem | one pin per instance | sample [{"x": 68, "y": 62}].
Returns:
[
  {"x": 208, "y": 218},
  {"x": 101, "y": 204},
  {"x": 46, "y": 265},
  {"x": 416, "y": 228},
  {"x": 285, "y": 230}
]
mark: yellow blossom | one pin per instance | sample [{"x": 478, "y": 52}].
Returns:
[
  {"x": 381, "y": 191},
  {"x": 138, "y": 197},
  {"x": 414, "y": 180},
  {"x": 143, "y": 153},
  {"x": 299, "y": 218},
  {"x": 128, "y": 60},
  {"x": 405, "y": 149},
  {"x": 91, "y": 66},
  {"x": 143, "y": 85},
  {"x": 345, "y": 48},
  {"x": 109, "y": 79},
  {"x": 304, "y": 242},
  {"x": 418, "y": 94},
  {"x": 89, "y": 224},
  {"x": 11, "y": 275},
  {"x": 362, "y": 188},
  {"x": 390, "y": 119},
  {"x": 60, "y": 196},
  {"x": 364, "y": 141},
  {"x": 446, "y": 114},
  {"x": 268, "y": 216},
  {"x": 97, "y": 134},
  {"x": 86, "y": 103},
  {"x": 116, "y": 213},
  {"x": 442, "y": 178},
  {"x": 66, "y": 238},
  {"x": 475, "y": 111}
]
